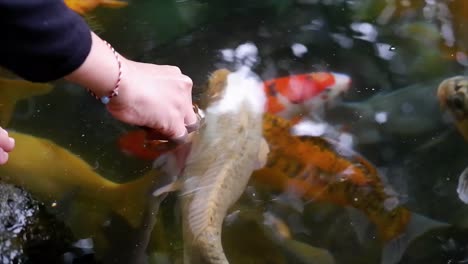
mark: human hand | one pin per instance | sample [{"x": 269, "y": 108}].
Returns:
[
  {"x": 158, "y": 97},
  {"x": 6, "y": 145}
]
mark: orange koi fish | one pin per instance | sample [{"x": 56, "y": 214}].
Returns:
[
  {"x": 140, "y": 144},
  {"x": 133, "y": 144},
  {"x": 84, "y": 6},
  {"x": 302, "y": 94},
  {"x": 286, "y": 97},
  {"x": 314, "y": 169}
]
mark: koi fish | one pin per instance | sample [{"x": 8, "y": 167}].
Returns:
[
  {"x": 223, "y": 155},
  {"x": 14, "y": 90},
  {"x": 314, "y": 169},
  {"x": 453, "y": 97},
  {"x": 55, "y": 175},
  {"x": 84, "y": 6},
  {"x": 402, "y": 113},
  {"x": 133, "y": 144},
  {"x": 294, "y": 95},
  {"x": 286, "y": 96}
]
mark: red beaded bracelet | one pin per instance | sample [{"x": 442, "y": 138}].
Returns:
[{"x": 115, "y": 91}]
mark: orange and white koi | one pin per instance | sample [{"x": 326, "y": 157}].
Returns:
[{"x": 294, "y": 95}]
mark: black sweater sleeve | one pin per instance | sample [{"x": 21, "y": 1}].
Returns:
[{"x": 42, "y": 40}]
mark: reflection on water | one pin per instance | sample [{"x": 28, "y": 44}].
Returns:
[{"x": 385, "y": 188}]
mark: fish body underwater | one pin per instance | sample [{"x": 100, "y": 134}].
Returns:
[
  {"x": 55, "y": 175},
  {"x": 303, "y": 94},
  {"x": 223, "y": 154},
  {"x": 84, "y": 6},
  {"x": 314, "y": 169},
  {"x": 407, "y": 112},
  {"x": 453, "y": 97}
]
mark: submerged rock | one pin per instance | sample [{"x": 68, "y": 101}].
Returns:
[{"x": 28, "y": 233}]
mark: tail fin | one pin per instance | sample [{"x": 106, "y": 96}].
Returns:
[
  {"x": 130, "y": 199},
  {"x": 114, "y": 3},
  {"x": 418, "y": 225}
]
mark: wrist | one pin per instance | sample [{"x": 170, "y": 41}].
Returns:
[{"x": 101, "y": 72}]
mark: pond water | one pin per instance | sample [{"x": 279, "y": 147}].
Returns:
[{"x": 396, "y": 54}]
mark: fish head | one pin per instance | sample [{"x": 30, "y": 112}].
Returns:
[
  {"x": 215, "y": 87},
  {"x": 453, "y": 96},
  {"x": 236, "y": 91}
]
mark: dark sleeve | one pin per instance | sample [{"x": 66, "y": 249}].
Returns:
[{"x": 42, "y": 40}]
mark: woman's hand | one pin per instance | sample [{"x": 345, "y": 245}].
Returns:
[
  {"x": 158, "y": 97},
  {"x": 6, "y": 145},
  {"x": 155, "y": 96}
]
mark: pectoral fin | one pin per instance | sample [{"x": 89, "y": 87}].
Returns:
[{"x": 171, "y": 187}]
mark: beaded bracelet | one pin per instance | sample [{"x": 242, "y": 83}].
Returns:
[{"x": 115, "y": 91}]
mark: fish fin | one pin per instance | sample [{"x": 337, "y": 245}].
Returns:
[
  {"x": 13, "y": 90},
  {"x": 114, "y": 3},
  {"x": 131, "y": 198},
  {"x": 263, "y": 151},
  {"x": 171, "y": 187},
  {"x": 417, "y": 226}
]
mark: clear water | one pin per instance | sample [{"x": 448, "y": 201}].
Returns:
[{"x": 416, "y": 46}]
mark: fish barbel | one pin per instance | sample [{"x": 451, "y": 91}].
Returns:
[{"x": 223, "y": 155}]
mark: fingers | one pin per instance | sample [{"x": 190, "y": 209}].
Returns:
[{"x": 6, "y": 145}]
